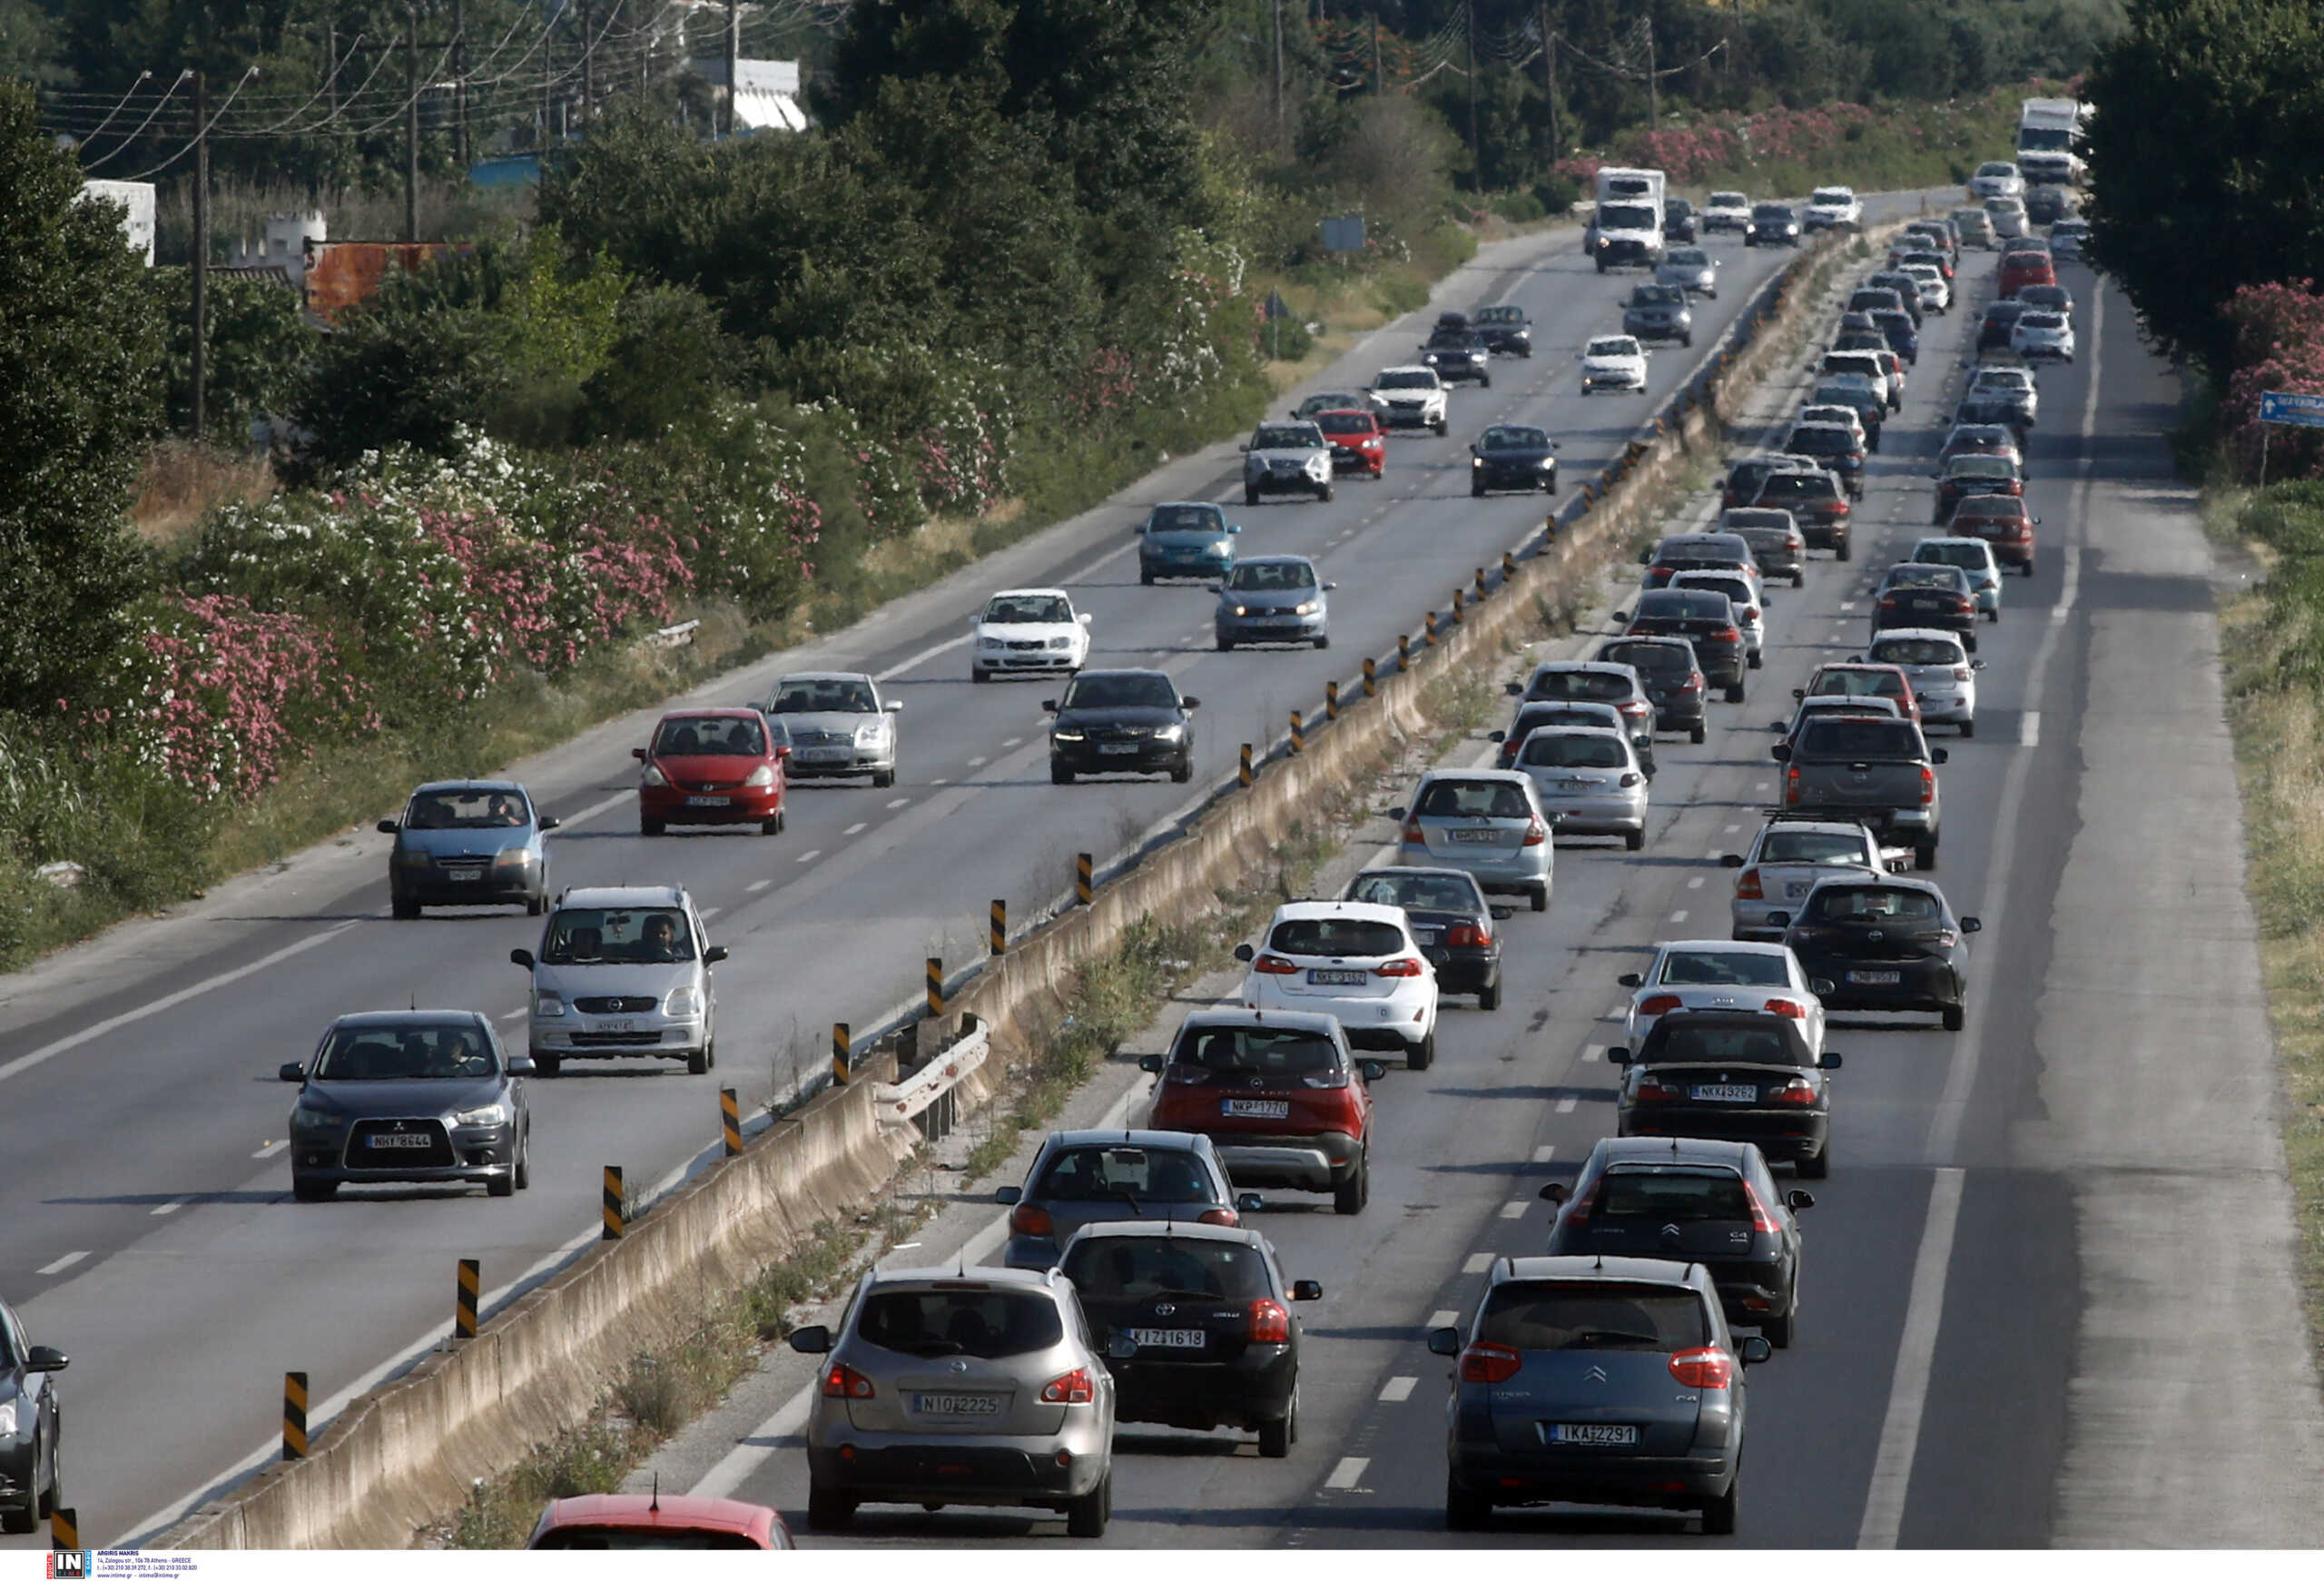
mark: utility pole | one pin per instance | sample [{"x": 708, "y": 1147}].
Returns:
[
  {"x": 1653, "y": 83},
  {"x": 733, "y": 63},
  {"x": 588, "y": 66},
  {"x": 1476, "y": 149},
  {"x": 201, "y": 259},
  {"x": 1279, "y": 68},
  {"x": 461, "y": 83},
  {"x": 338, "y": 138},
  {"x": 1549, "y": 82},
  {"x": 411, "y": 122}
]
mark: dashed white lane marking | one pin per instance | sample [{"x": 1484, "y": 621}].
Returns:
[
  {"x": 855, "y": 828},
  {"x": 808, "y": 855},
  {"x": 939, "y": 782},
  {"x": 1696, "y": 882},
  {"x": 1344, "y": 1475},
  {"x": 517, "y": 1014},
  {"x": 70, "y": 1257},
  {"x": 271, "y": 1148},
  {"x": 1679, "y": 916},
  {"x": 1900, "y": 1429},
  {"x": 1513, "y": 1209},
  {"x": 1478, "y": 1262},
  {"x": 1014, "y": 741},
  {"x": 1542, "y": 1155},
  {"x": 1396, "y": 1390},
  {"x": 899, "y": 802},
  {"x": 2029, "y": 727},
  {"x": 1763, "y": 787},
  {"x": 1847, "y": 603},
  {"x": 924, "y": 656},
  {"x": 1618, "y": 1012},
  {"x": 169, "y": 1207},
  {"x": 1566, "y": 1105},
  {"x": 978, "y": 762},
  {"x": 1732, "y": 829},
  {"x": 1713, "y": 855},
  {"x": 1442, "y": 1319},
  {"x": 754, "y": 888}
]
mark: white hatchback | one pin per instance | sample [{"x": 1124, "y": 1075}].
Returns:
[
  {"x": 1722, "y": 975},
  {"x": 2039, "y": 335},
  {"x": 1613, "y": 362},
  {"x": 1944, "y": 675},
  {"x": 1028, "y": 631},
  {"x": 1353, "y": 960}
]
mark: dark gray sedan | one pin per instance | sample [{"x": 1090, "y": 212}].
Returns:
[
  {"x": 425, "y": 1095},
  {"x": 1093, "y": 1177},
  {"x": 1273, "y": 598},
  {"x": 30, "y": 1425},
  {"x": 468, "y": 842}
]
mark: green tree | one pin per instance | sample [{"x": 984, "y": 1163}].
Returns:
[
  {"x": 80, "y": 394},
  {"x": 258, "y": 346}
]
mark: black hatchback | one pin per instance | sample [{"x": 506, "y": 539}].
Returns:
[
  {"x": 1673, "y": 680},
  {"x": 1883, "y": 944},
  {"x": 1450, "y": 919},
  {"x": 1691, "y": 1199},
  {"x": 1121, "y": 722},
  {"x": 1705, "y": 618},
  {"x": 1512, "y": 456},
  {"x": 1736, "y": 1075}
]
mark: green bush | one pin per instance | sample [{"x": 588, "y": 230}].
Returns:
[{"x": 1518, "y": 207}]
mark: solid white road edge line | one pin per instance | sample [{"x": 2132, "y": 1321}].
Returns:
[{"x": 1900, "y": 1430}]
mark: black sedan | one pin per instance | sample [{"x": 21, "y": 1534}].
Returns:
[
  {"x": 1673, "y": 680},
  {"x": 1692, "y": 1199},
  {"x": 1194, "y": 1321},
  {"x": 1738, "y": 1076},
  {"x": 1450, "y": 919},
  {"x": 425, "y": 1095},
  {"x": 1772, "y": 225},
  {"x": 1512, "y": 456},
  {"x": 1121, "y": 722},
  {"x": 1504, "y": 328},
  {"x": 30, "y": 1429},
  {"x": 1926, "y": 596},
  {"x": 1883, "y": 944}
]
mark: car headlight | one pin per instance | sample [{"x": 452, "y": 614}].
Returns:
[
  {"x": 653, "y": 777},
  {"x": 1238, "y": 609},
  {"x": 8, "y": 1419},
  {"x": 410, "y": 859},
  {"x": 1308, "y": 608},
  {"x": 1061, "y": 734},
  {"x": 547, "y": 1007},
  {"x": 1225, "y": 546},
  {"x": 1549, "y": 463},
  {"x": 985, "y": 641},
  {"x": 1168, "y": 732},
  {"x": 685, "y": 1002},
  {"x": 515, "y": 856},
  {"x": 866, "y": 733},
  {"x": 490, "y": 1114},
  {"x": 308, "y": 1117},
  {"x": 1476, "y": 461},
  {"x": 1059, "y": 643},
  {"x": 761, "y": 777}
]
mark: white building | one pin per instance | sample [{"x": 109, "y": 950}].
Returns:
[{"x": 137, "y": 198}]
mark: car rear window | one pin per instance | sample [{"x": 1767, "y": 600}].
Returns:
[
  {"x": 1684, "y": 605},
  {"x": 1885, "y": 740},
  {"x": 1724, "y": 968},
  {"x": 962, "y": 1321},
  {"x": 1916, "y": 650},
  {"x": 1812, "y": 849},
  {"x": 1855, "y": 683},
  {"x": 1556, "y": 750},
  {"x": 1594, "y": 1315},
  {"x": 1647, "y": 655},
  {"x": 1921, "y": 574},
  {"x": 1746, "y": 518},
  {"x": 1820, "y": 441},
  {"x": 1256, "y": 1051},
  {"x": 1766, "y": 1041},
  {"x": 1346, "y": 937},
  {"x": 1474, "y": 799},
  {"x": 1118, "y": 1268},
  {"x": 1109, "y": 1173},
  {"x": 1586, "y": 686},
  {"x": 1974, "y": 557},
  {"x": 1866, "y": 903},
  {"x": 1588, "y": 716},
  {"x": 1798, "y": 486},
  {"x": 1444, "y": 892}
]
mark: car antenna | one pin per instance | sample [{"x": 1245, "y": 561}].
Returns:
[
  {"x": 654, "y": 1505},
  {"x": 415, "y": 1001}
]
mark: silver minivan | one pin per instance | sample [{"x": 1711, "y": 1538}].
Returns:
[
  {"x": 951, "y": 1385},
  {"x": 623, "y": 973},
  {"x": 1488, "y": 822}
]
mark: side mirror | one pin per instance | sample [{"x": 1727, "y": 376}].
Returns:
[
  {"x": 1330, "y": 586},
  {"x": 1150, "y": 1064},
  {"x": 895, "y": 706},
  {"x": 1215, "y": 587},
  {"x": 1444, "y": 1342},
  {"x": 1512, "y": 687},
  {"x": 292, "y": 1073},
  {"x": 713, "y": 954},
  {"x": 1799, "y": 692},
  {"x": 814, "y": 1339},
  {"x": 1244, "y": 449},
  {"x": 1009, "y": 1196},
  {"x": 1085, "y": 619},
  {"x": 1233, "y": 527},
  {"x": 520, "y": 1065},
  {"x": 783, "y": 753},
  {"x": 1048, "y": 705},
  {"x": 1799, "y": 1200},
  {"x": 1632, "y": 980},
  {"x": 1646, "y": 557},
  {"x": 552, "y": 823},
  {"x": 1621, "y": 615},
  {"x": 45, "y": 1359},
  {"x": 1474, "y": 452},
  {"x": 638, "y": 753},
  {"x": 523, "y": 958},
  {"x": 1496, "y": 734},
  {"x": 1780, "y": 752},
  {"x": 1396, "y": 812},
  {"x": 1555, "y": 1191},
  {"x": 1119, "y": 1347},
  {"x": 1782, "y": 919},
  {"x": 1972, "y": 925},
  {"x": 1976, "y": 664},
  {"x": 1754, "y": 1350},
  {"x": 1617, "y": 1055},
  {"x": 1306, "y": 1289},
  {"x": 1830, "y": 1061},
  {"x": 1374, "y": 1070},
  {"x": 1938, "y": 754},
  {"x": 389, "y": 826},
  {"x": 2037, "y": 522},
  {"x": 1245, "y": 953},
  {"x": 1248, "y": 1203},
  {"x": 1501, "y": 913},
  {"x": 1190, "y": 703},
  {"x": 1820, "y": 986},
  {"x": 1731, "y": 859}
]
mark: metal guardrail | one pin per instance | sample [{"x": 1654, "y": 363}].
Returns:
[{"x": 925, "y": 1098}]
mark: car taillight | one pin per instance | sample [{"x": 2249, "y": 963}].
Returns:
[
  {"x": 1028, "y": 1219},
  {"x": 1631, "y": 777},
  {"x": 1072, "y": 1388},
  {"x": 1796, "y": 544},
  {"x": 1650, "y": 1090},
  {"x": 1747, "y": 887},
  {"x": 1750, "y": 617},
  {"x": 1536, "y": 832},
  {"x": 1225, "y": 1218},
  {"x": 1962, "y": 606},
  {"x": 1928, "y": 785},
  {"x": 1275, "y": 966},
  {"x": 1467, "y": 937},
  {"x": 1839, "y": 508},
  {"x": 1889, "y": 602},
  {"x": 1327, "y": 1079},
  {"x": 1791, "y": 785},
  {"x": 842, "y": 1382},
  {"x": 1637, "y": 708},
  {"x": 1487, "y": 1363},
  {"x": 1661, "y": 1004},
  {"x": 1960, "y": 672},
  {"x": 1270, "y": 1324},
  {"x": 1799, "y": 1090},
  {"x": 1402, "y": 966},
  {"x": 1947, "y": 938},
  {"x": 1657, "y": 574},
  {"x": 1709, "y": 1367},
  {"x": 1763, "y": 1221},
  {"x": 1728, "y": 634},
  {"x": 1413, "y": 836},
  {"x": 1789, "y": 1008},
  {"x": 1694, "y": 683}
]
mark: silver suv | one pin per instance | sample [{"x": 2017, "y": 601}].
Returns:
[
  {"x": 623, "y": 973},
  {"x": 945, "y": 1387}
]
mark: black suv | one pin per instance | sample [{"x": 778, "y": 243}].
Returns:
[
  {"x": 1505, "y": 326},
  {"x": 1121, "y": 722},
  {"x": 1459, "y": 355}
]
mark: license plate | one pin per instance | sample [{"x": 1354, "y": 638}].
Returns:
[
  {"x": 1877, "y": 978},
  {"x": 1474, "y": 836},
  {"x": 1717, "y": 1094},
  {"x": 1321, "y": 978},
  {"x": 1579, "y": 784},
  {"x": 1614, "y": 1433},
  {"x": 709, "y": 801},
  {"x": 463, "y": 874},
  {"x": 616, "y": 1026},
  {"x": 1169, "y": 1338},
  {"x": 394, "y": 1139},
  {"x": 957, "y": 1405},
  {"x": 1426, "y": 936},
  {"x": 827, "y": 753},
  {"x": 1116, "y": 748},
  {"x": 1257, "y": 1108}
]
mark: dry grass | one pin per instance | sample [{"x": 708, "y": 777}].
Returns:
[{"x": 183, "y": 481}]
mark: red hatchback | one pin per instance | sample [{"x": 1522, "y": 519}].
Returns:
[
  {"x": 1355, "y": 441},
  {"x": 2019, "y": 269},
  {"x": 2002, "y": 521},
  {"x": 1280, "y": 1097},
  {"x": 713, "y": 766},
  {"x": 1865, "y": 680},
  {"x": 637, "y": 1520}
]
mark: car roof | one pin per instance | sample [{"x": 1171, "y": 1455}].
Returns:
[
  {"x": 1815, "y": 825},
  {"x": 1409, "y": 367},
  {"x": 1952, "y": 539},
  {"x": 1719, "y": 540},
  {"x": 1182, "y": 504},
  {"x": 820, "y": 675},
  {"x": 1029, "y": 593},
  {"x": 1921, "y": 633},
  {"x": 674, "y": 1511},
  {"x": 1164, "y": 674},
  {"x": 1295, "y": 1020},
  {"x": 1663, "y": 1150},
  {"x": 502, "y": 785},
  {"x": 1273, "y": 560},
  {"x": 1167, "y": 1228},
  {"x": 1508, "y": 774},
  {"x": 1628, "y": 1270},
  {"x": 1023, "y": 1279},
  {"x": 1298, "y": 911},
  {"x": 1133, "y": 1136},
  {"x": 402, "y": 1018},
  {"x": 1553, "y": 730},
  {"x": 1648, "y": 637},
  {"x": 1854, "y": 879},
  {"x": 605, "y": 895},
  {"x": 1730, "y": 946},
  {"x": 1595, "y": 665},
  {"x": 712, "y": 713}
]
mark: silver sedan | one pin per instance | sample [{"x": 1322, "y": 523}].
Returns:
[
  {"x": 1589, "y": 780},
  {"x": 1691, "y": 268}
]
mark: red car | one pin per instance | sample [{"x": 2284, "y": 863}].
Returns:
[
  {"x": 1865, "y": 680},
  {"x": 1355, "y": 441},
  {"x": 2019, "y": 269},
  {"x": 1279, "y": 1095},
  {"x": 638, "y": 1520},
  {"x": 713, "y": 766},
  {"x": 2002, "y": 521}
]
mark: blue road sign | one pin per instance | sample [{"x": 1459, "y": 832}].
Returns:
[{"x": 2285, "y": 407}]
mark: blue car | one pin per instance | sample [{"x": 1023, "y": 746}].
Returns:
[
  {"x": 468, "y": 842},
  {"x": 1186, "y": 539},
  {"x": 1273, "y": 598},
  {"x": 1904, "y": 337}
]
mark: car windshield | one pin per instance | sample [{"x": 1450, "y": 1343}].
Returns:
[
  {"x": 1256, "y": 1050},
  {"x": 1831, "y": 195},
  {"x": 1684, "y": 606},
  {"x": 1502, "y": 437},
  {"x": 1500, "y": 315},
  {"x": 831, "y": 695},
  {"x": 1594, "y": 1315},
  {"x": 1916, "y": 650},
  {"x": 1969, "y": 556},
  {"x": 1729, "y": 200},
  {"x": 1595, "y": 685},
  {"x": 1876, "y": 740},
  {"x": 1556, "y": 749},
  {"x": 1855, "y": 397},
  {"x": 1864, "y": 903},
  {"x": 1657, "y": 296},
  {"x": 1098, "y": 1173},
  {"x": 1474, "y": 799},
  {"x": 1134, "y": 1267},
  {"x": 712, "y": 737},
  {"x": 2041, "y": 321},
  {"x": 1346, "y": 423},
  {"x": 1798, "y": 486},
  {"x": 1690, "y": 1040},
  {"x": 1776, "y": 212},
  {"x": 1336, "y": 936},
  {"x": 1271, "y": 575},
  {"x": 1687, "y": 257},
  {"x": 1724, "y": 968},
  {"x": 1029, "y": 610},
  {"x": 641, "y": 935},
  {"x": 1855, "y": 683},
  {"x": 1672, "y": 1195},
  {"x": 1627, "y": 217},
  {"x": 1301, "y": 437},
  {"x": 1120, "y": 690},
  {"x": 691, "y": 1539},
  {"x": 1612, "y": 346},
  {"x": 453, "y": 1052},
  {"x": 1186, "y": 519},
  {"x": 1989, "y": 508},
  {"x": 1330, "y": 401},
  {"x": 1410, "y": 379},
  {"x": 1813, "y": 848},
  {"x": 1981, "y": 465},
  {"x": 970, "y": 1319},
  {"x": 1419, "y": 892},
  {"x": 468, "y": 810},
  {"x": 1648, "y": 655},
  {"x": 1997, "y": 167}
]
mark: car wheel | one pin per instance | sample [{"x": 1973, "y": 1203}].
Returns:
[
  {"x": 1841, "y": 552},
  {"x": 1060, "y": 773},
  {"x": 979, "y": 677},
  {"x": 404, "y": 910},
  {"x": 1925, "y": 855},
  {"x": 1779, "y": 1330},
  {"x": 1324, "y": 494},
  {"x": 1695, "y": 734},
  {"x": 536, "y": 904},
  {"x": 885, "y": 780},
  {"x": 828, "y": 1511},
  {"x": 1799, "y": 579},
  {"x": 1275, "y": 1439},
  {"x": 1634, "y": 839},
  {"x": 2027, "y": 569},
  {"x": 1464, "y": 1511},
  {"x": 1550, "y": 486},
  {"x": 547, "y": 1066},
  {"x": 1086, "y": 1516},
  {"x": 1540, "y": 898},
  {"x": 1969, "y": 729},
  {"x": 1442, "y": 427},
  {"x": 1956, "y": 1016},
  {"x": 303, "y": 1189},
  {"x": 771, "y": 826},
  {"x": 1146, "y": 578},
  {"x": 1718, "y": 1515},
  {"x": 1489, "y": 996},
  {"x": 1183, "y": 770},
  {"x": 1754, "y": 660},
  {"x": 1226, "y": 645},
  {"x": 1992, "y": 616},
  {"x": 524, "y": 1163},
  {"x": 1817, "y": 1168},
  {"x": 1350, "y": 1195},
  {"x": 698, "y": 1061},
  {"x": 1250, "y": 497},
  {"x": 649, "y": 827},
  {"x": 501, "y": 1185},
  {"x": 1324, "y": 641},
  {"x": 18, "y": 1522},
  {"x": 54, "y": 1495},
  {"x": 1476, "y": 491},
  {"x": 1734, "y": 693}
]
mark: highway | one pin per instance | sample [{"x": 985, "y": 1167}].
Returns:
[
  {"x": 145, "y": 1224},
  {"x": 2047, "y": 1294}
]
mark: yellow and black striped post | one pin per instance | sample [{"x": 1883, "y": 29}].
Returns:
[
  {"x": 63, "y": 1529},
  {"x": 1298, "y": 733},
  {"x": 730, "y": 1119},
  {"x": 1509, "y": 560},
  {"x": 1481, "y": 584},
  {"x": 294, "y": 1415},
  {"x": 1243, "y": 775},
  {"x": 1332, "y": 698},
  {"x": 617, "y": 1205},
  {"x": 1405, "y": 651},
  {"x": 936, "y": 985},
  {"x": 839, "y": 1053},
  {"x": 1428, "y": 635},
  {"x": 464, "y": 1295},
  {"x": 1000, "y": 928},
  {"x": 1371, "y": 679},
  {"x": 1457, "y": 616},
  {"x": 1084, "y": 866}
]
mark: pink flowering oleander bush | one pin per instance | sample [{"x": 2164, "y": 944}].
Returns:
[{"x": 2279, "y": 346}]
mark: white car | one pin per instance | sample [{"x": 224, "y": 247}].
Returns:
[
  {"x": 1286, "y": 458},
  {"x": 1832, "y": 208},
  {"x": 1028, "y": 632},
  {"x": 1613, "y": 362},
  {"x": 1352, "y": 960},
  {"x": 1936, "y": 292},
  {"x": 1722, "y": 975},
  {"x": 2015, "y": 382},
  {"x": 1996, "y": 178},
  {"x": 1725, "y": 211},
  {"x": 2008, "y": 215},
  {"x": 2043, "y": 336},
  {"x": 1871, "y": 365},
  {"x": 1410, "y": 397},
  {"x": 1846, "y": 416},
  {"x": 1743, "y": 592},
  {"x": 1789, "y": 856},
  {"x": 1944, "y": 675}
]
